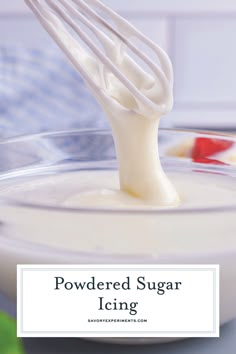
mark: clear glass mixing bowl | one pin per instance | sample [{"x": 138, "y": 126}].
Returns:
[{"x": 184, "y": 238}]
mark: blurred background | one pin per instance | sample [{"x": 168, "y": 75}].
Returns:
[{"x": 199, "y": 36}]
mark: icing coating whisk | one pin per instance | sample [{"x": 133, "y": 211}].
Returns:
[{"x": 107, "y": 61}]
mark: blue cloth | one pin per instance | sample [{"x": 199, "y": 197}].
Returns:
[{"x": 40, "y": 91}]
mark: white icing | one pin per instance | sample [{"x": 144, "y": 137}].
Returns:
[
  {"x": 123, "y": 233},
  {"x": 133, "y": 99}
]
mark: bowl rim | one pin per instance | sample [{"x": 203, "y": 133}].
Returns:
[
  {"x": 28, "y": 137},
  {"x": 99, "y": 210}
]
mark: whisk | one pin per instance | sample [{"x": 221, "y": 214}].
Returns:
[{"x": 67, "y": 21}]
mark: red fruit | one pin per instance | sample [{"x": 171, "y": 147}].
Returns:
[
  {"x": 205, "y": 147},
  {"x": 208, "y": 161}
]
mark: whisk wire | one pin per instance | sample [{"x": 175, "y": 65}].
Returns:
[{"x": 54, "y": 14}]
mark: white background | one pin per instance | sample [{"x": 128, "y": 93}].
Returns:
[
  {"x": 198, "y": 34},
  {"x": 188, "y": 312}
]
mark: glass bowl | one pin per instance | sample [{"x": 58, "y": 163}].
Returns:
[{"x": 33, "y": 231}]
